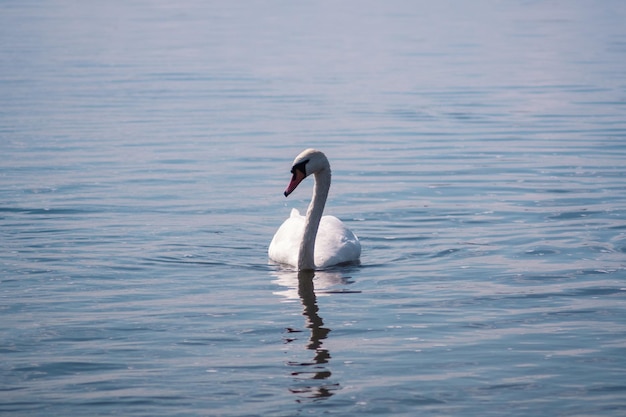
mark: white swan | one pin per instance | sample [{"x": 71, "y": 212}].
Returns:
[{"x": 313, "y": 241}]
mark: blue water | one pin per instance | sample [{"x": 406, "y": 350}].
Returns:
[{"x": 478, "y": 151}]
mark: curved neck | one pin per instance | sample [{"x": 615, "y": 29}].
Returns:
[{"x": 306, "y": 258}]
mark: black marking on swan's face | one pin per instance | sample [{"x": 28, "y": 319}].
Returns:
[{"x": 300, "y": 166}]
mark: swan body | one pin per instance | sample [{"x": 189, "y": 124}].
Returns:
[
  {"x": 334, "y": 243},
  {"x": 313, "y": 241}
]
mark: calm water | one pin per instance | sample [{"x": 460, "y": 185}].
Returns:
[{"x": 478, "y": 151}]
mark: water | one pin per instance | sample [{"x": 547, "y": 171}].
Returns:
[{"x": 478, "y": 151}]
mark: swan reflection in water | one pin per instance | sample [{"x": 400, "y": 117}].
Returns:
[{"x": 312, "y": 376}]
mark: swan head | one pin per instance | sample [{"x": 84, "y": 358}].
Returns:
[{"x": 309, "y": 161}]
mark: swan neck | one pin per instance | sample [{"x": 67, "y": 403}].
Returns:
[{"x": 306, "y": 259}]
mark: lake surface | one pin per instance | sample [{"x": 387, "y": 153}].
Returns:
[{"x": 478, "y": 151}]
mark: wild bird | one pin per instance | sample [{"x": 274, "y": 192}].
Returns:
[{"x": 313, "y": 241}]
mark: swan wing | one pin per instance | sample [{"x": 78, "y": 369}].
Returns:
[
  {"x": 285, "y": 244},
  {"x": 335, "y": 243}
]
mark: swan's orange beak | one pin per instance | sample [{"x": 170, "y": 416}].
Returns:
[{"x": 296, "y": 179}]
